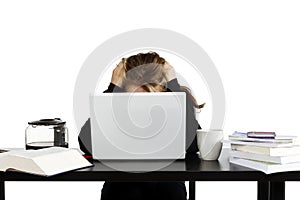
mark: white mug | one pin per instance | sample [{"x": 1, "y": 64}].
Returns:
[{"x": 210, "y": 143}]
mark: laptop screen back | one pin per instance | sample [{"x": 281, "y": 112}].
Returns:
[{"x": 138, "y": 125}]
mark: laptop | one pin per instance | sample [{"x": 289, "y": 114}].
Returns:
[{"x": 138, "y": 126}]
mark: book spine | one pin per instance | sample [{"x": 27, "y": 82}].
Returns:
[
  {"x": 249, "y": 149},
  {"x": 271, "y": 151},
  {"x": 249, "y": 164},
  {"x": 266, "y": 135},
  {"x": 257, "y": 157}
]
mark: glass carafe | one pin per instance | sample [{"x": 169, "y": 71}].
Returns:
[{"x": 46, "y": 133}]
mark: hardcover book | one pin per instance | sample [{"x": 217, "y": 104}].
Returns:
[
  {"x": 266, "y": 158},
  {"x": 265, "y": 150},
  {"x": 267, "y": 168},
  {"x": 44, "y": 162}
]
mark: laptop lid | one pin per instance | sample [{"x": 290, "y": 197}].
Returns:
[{"x": 138, "y": 125}]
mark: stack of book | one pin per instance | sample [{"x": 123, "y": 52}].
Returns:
[{"x": 265, "y": 151}]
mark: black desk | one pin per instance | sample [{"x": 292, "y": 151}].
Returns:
[{"x": 191, "y": 169}]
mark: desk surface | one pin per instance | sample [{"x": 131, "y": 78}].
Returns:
[{"x": 192, "y": 168}]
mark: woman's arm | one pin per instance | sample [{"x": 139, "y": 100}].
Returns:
[
  {"x": 84, "y": 137},
  {"x": 113, "y": 88},
  {"x": 191, "y": 122}
]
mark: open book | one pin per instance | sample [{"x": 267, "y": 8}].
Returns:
[{"x": 45, "y": 162}]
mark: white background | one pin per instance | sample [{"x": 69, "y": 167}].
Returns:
[{"x": 254, "y": 44}]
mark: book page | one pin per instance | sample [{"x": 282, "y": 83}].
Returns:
[
  {"x": 38, "y": 153},
  {"x": 60, "y": 162}
]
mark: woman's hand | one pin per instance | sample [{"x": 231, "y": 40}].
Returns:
[
  {"x": 118, "y": 74},
  {"x": 169, "y": 72}
]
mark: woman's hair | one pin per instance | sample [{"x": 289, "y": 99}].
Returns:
[{"x": 146, "y": 70}]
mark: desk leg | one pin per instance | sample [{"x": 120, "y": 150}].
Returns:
[
  {"x": 277, "y": 190},
  {"x": 192, "y": 190},
  {"x": 2, "y": 190},
  {"x": 263, "y": 190}
]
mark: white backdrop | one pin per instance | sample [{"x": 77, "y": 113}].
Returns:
[{"x": 255, "y": 46}]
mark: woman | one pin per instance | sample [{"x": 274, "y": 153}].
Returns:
[{"x": 148, "y": 72}]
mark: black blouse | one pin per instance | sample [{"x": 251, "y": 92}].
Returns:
[{"x": 191, "y": 122}]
